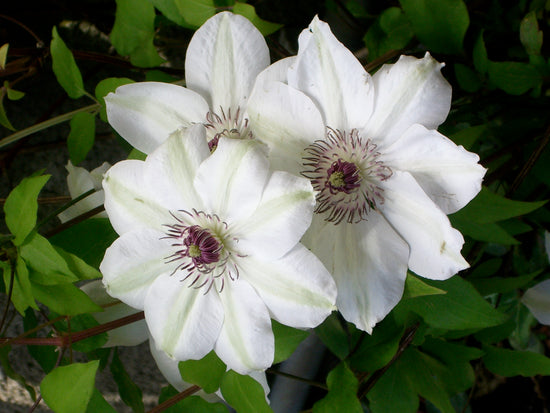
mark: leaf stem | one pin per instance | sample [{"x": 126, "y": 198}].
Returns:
[
  {"x": 174, "y": 399},
  {"x": 298, "y": 378},
  {"x": 66, "y": 206},
  {"x": 46, "y": 124}
]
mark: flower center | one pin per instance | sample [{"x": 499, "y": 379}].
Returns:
[
  {"x": 204, "y": 250},
  {"x": 346, "y": 173},
  {"x": 229, "y": 125}
]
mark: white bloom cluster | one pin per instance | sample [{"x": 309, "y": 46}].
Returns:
[{"x": 277, "y": 191}]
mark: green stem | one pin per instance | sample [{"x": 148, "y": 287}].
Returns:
[{"x": 46, "y": 124}]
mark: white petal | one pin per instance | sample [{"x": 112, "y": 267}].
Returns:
[
  {"x": 184, "y": 321},
  {"x": 172, "y": 167},
  {"x": 286, "y": 120},
  {"x": 332, "y": 77},
  {"x": 282, "y": 217},
  {"x": 133, "y": 262},
  {"x": 246, "y": 340},
  {"x": 223, "y": 59},
  {"x": 169, "y": 369},
  {"x": 276, "y": 72},
  {"x": 232, "y": 179},
  {"x": 131, "y": 202},
  {"x": 297, "y": 288},
  {"x": 449, "y": 174},
  {"x": 97, "y": 174},
  {"x": 128, "y": 335},
  {"x": 408, "y": 92},
  {"x": 146, "y": 113},
  {"x": 537, "y": 299},
  {"x": 435, "y": 245},
  {"x": 369, "y": 263}
]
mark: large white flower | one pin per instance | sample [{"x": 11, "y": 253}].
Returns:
[
  {"x": 223, "y": 59},
  {"x": 209, "y": 249},
  {"x": 385, "y": 177}
]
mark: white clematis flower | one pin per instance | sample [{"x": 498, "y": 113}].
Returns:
[
  {"x": 385, "y": 178},
  {"x": 223, "y": 59},
  {"x": 209, "y": 249},
  {"x": 80, "y": 181}
]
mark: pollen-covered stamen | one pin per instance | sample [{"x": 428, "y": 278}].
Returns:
[
  {"x": 204, "y": 250},
  {"x": 230, "y": 125},
  {"x": 346, "y": 172}
]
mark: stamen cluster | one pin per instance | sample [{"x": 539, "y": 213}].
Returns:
[
  {"x": 346, "y": 172},
  {"x": 228, "y": 125}
]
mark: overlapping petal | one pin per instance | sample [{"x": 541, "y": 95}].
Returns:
[
  {"x": 183, "y": 321},
  {"x": 133, "y": 262},
  {"x": 332, "y": 77},
  {"x": 297, "y": 289},
  {"x": 449, "y": 174},
  {"x": 408, "y": 92},
  {"x": 369, "y": 263},
  {"x": 223, "y": 59},
  {"x": 434, "y": 245},
  {"x": 146, "y": 113},
  {"x": 246, "y": 340}
]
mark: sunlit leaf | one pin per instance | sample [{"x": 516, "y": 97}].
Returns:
[
  {"x": 65, "y": 299},
  {"x": 79, "y": 378},
  {"x": 3, "y": 55},
  {"x": 342, "y": 392},
  {"x": 65, "y": 68},
  {"x": 249, "y": 12},
  {"x": 196, "y": 12},
  {"x": 286, "y": 340},
  {"x": 243, "y": 393},
  {"x": 81, "y": 137},
  {"x": 104, "y": 87},
  {"x": 98, "y": 404},
  {"x": 206, "y": 373}
]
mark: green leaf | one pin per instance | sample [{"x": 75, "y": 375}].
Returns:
[
  {"x": 439, "y": 24},
  {"x": 492, "y": 285},
  {"x": 42, "y": 257},
  {"x": 333, "y": 335},
  {"x": 78, "y": 266},
  {"x": 21, "y": 207},
  {"x": 243, "y": 393},
  {"x": 21, "y": 297},
  {"x": 98, "y": 404},
  {"x": 65, "y": 299},
  {"x": 196, "y": 12},
  {"x": 106, "y": 86},
  {"x": 489, "y": 207},
  {"x": 4, "y": 55},
  {"x": 460, "y": 309},
  {"x": 12, "y": 93},
  {"x": 515, "y": 78},
  {"x": 4, "y": 121},
  {"x": 415, "y": 287},
  {"x": 248, "y": 11},
  {"x": 77, "y": 377},
  {"x": 530, "y": 35},
  {"x": 286, "y": 340},
  {"x": 467, "y": 137},
  {"x": 391, "y": 31},
  {"x": 129, "y": 392},
  {"x": 81, "y": 137},
  {"x": 134, "y": 31},
  {"x": 65, "y": 68},
  {"x": 479, "y": 54},
  {"x": 193, "y": 404},
  {"x": 342, "y": 392},
  {"x": 88, "y": 239},
  {"x": 510, "y": 363},
  {"x": 206, "y": 373},
  {"x": 467, "y": 78},
  {"x": 79, "y": 323},
  {"x": 482, "y": 232},
  {"x": 169, "y": 9},
  {"x": 46, "y": 356},
  {"x": 11, "y": 373}
]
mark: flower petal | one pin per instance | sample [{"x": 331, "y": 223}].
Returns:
[
  {"x": 368, "y": 261},
  {"x": 408, "y": 92},
  {"x": 232, "y": 179},
  {"x": 332, "y": 77},
  {"x": 169, "y": 369},
  {"x": 183, "y": 321},
  {"x": 282, "y": 217},
  {"x": 286, "y": 120},
  {"x": 223, "y": 59},
  {"x": 128, "y": 335},
  {"x": 435, "y": 245},
  {"x": 146, "y": 113},
  {"x": 130, "y": 202},
  {"x": 449, "y": 174},
  {"x": 537, "y": 299},
  {"x": 246, "y": 340},
  {"x": 297, "y": 289},
  {"x": 171, "y": 168},
  {"x": 133, "y": 262}
]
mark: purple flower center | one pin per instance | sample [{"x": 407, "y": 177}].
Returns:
[
  {"x": 202, "y": 247},
  {"x": 342, "y": 176},
  {"x": 226, "y": 124}
]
